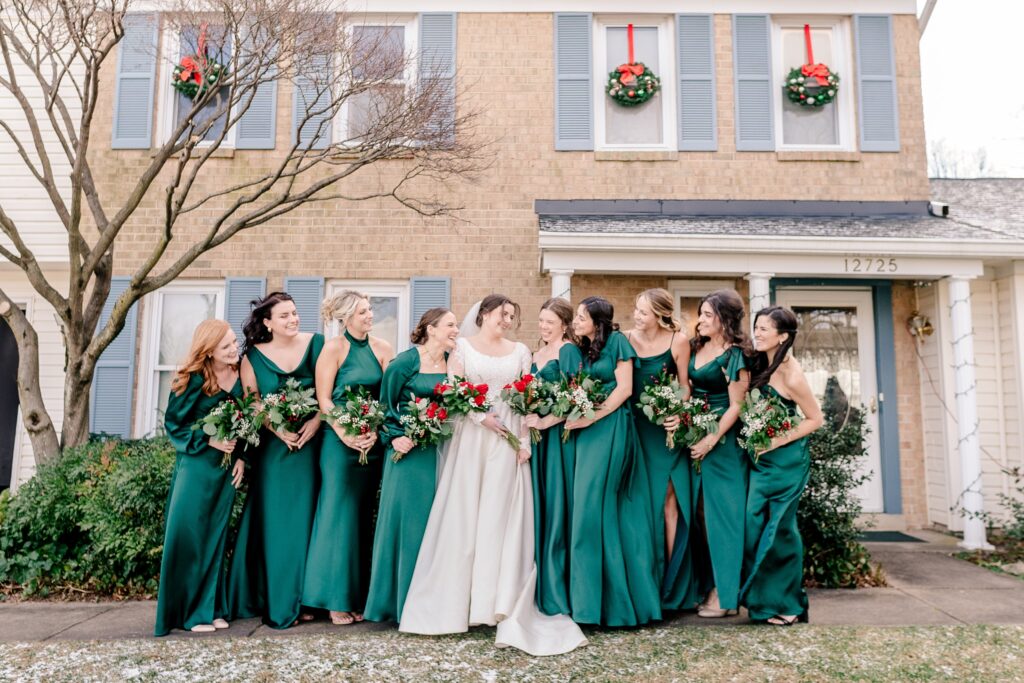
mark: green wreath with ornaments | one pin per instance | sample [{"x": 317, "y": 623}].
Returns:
[
  {"x": 632, "y": 83},
  {"x": 812, "y": 85}
]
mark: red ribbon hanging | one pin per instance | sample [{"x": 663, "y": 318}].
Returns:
[
  {"x": 818, "y": 72},
  {"x": 629, "y": 38},
  {"x": 630, "y": 70}
]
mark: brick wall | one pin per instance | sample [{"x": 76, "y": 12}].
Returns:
[{"x": 908, "y": 405}]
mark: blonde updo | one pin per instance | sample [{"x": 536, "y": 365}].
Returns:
[
  {"x": 341, "y": 306},
  {"x": 663, "y": 306}
]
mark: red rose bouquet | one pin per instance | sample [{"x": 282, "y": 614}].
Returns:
[
  {"x": 526, "y": 395},
  {"x": 764, "y": 417},
  {"x": 425, "y": 422},
  {"x": 358, "y": 414}
]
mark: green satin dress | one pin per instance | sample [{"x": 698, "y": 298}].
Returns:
[
  {"x": 722, "y": 484},
  {"x": 406, "y": 494},
  {"x": 341, "y": 545},
  {"x": 267, "y": 569},
  {"x": 551, "y": 467},
  {"x": 197, "y": 515},
  {"x": 665, "y": 465},
  {"x": 774, "y": 557},
  {"x": 613, "y": 577}
]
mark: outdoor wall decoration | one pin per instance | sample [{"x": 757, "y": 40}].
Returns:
[
  {"x": 197, "y": 73},
  {"x": 811, "y": 85},
  {"x": 632, "y": 83}
]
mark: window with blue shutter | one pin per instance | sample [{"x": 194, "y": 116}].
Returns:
[
  {"x": 257, "y": 126},
  {"x": 313, "y": 105},
  {"x": 308, "y": 293},
  {"x": 437, "y": 32},
  {"x": 136, "y": 74},
  {"x": 876, "y": 84},
  {"x": 219, "y": 48},
  {"x": 695, "y": 48},
  {"x": 752, "y": 68},
  {"x": 428, "y": 292},
  {"x": 574, "y": 116},
  {"x": 114, "y": 378},
  {"x": 238, "y": 293}
]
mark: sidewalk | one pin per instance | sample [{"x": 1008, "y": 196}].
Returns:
[{"x": 926, "y": 587}]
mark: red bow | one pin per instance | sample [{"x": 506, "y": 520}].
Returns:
[
  {"x": 629, "y": 72},
  {"x": 190, "y": 70},
  {"x": 819, "y": 72}
]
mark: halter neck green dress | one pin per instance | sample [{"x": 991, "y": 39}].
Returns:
[
  {"x": 341, "y": 545},
  {"x": 665, "y": 465},
  {"x": 613, "y": 580},
  {"x": 269, "y": 563},
  {"x": 197, "y": 515},
  {"x": 722, "y": 484},
  {"x": 406, "y": 494},
  {"x": 551, "y": 467},
  {"x": 773, "y": 560}
]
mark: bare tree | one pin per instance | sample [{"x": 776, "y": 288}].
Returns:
[
  {"x": 947, "y": 160},
  {"x": 66, "y": 44}
]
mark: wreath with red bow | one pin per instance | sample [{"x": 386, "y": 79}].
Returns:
[
  {"x": 632, "y": 84},
  {"x": 197, "y": 73},
  {"x": 811, "y": 85}
]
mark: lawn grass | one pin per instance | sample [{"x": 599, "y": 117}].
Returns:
[{"x": 741, "y": 653}]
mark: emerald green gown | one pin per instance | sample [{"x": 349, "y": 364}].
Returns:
[
  {"x": 774, "y": 556},
  {"x": 197, "y": 516},
  {"x": 551, "y": 467},
  {"x": 340, "y": 548},
  {"x": 721, "y": 485},
  {"x": 665, "y": 465},
  {"x": 406, "y": 494},
  {"x": 267, "y": 569},
  {"x": 613, "y": 578}
]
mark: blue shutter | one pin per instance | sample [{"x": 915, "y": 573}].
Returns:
[
  {"x": 257, "y": 126},
  {"x": 437, "y": 62},
  {"x": 752, "y": 66},
  {"x": 136, "y": 73},
  {"x": 695, "y": 48},
  {"x": 876, "y": 84},
  {"x": 574, "y": 96},
  {"x": 308, "y": 292},
  {"x": 313, "y": 105},
  {"x": 238, "y": 293},
  {"x": 427, "y": 293},
  {"x": 114, "y": 379}
]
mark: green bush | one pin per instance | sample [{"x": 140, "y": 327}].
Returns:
[
  {"x": 91, "y": 521},
  {"x": 833, "y": 557}
]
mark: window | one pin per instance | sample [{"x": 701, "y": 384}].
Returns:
[
  {"x": 798, "y": 127},
  {"x": 382, "y": 49},
  {"x": 174, "y": 106},
  {"x": 651, "y": 126},
  {"x": 390, "y": 302},
  {"x": 172, "y": 314}
]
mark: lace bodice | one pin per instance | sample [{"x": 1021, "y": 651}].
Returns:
[{"x": 495, "y": 371}]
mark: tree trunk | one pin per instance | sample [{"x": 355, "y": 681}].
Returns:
[{"x": 75, "y": 428}]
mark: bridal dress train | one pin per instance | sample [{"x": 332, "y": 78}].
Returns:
[{"x": 476, "y": 563}]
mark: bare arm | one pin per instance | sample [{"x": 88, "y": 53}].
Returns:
[
  {"x": 681, "y": 355},
  {"x": 248, "y": 377},
  {"x": 800, "y": 391},
  {"x": 327, "y": 366}
]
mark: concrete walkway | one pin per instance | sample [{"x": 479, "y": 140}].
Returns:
[{"x": 926, "y": 587}]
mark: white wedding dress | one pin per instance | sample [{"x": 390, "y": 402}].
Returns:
[{"x": 476, "y": 563}]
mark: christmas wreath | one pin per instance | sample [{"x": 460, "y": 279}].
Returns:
[
  {"x": 811, "y": 85},
  {"x": 197, "y": 73},
  {"x": 632, "y": 83}
]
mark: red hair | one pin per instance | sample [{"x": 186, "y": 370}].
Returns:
[{"x": 205, "y": 341}]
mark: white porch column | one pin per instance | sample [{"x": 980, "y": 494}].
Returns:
[
  {"x": 966, "y": 393},
  {"x": 760, "y": 292},
  {"x": 561, "y": 284}
]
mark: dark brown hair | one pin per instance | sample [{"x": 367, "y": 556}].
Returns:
[
  {"x": 493, "y": 301},
  {"x": 254, "y": 330},
  {"x": 429, "y": 319},
  {"x": 728, "y": 308},
  {"x": 785, "y": 323},
  {"x": 601, "y": 312},
  {"x": 563, "y": 309}
]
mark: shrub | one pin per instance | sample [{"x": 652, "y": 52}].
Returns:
[{"x": 833, "y": 557}]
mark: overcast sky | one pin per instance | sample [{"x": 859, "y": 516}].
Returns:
[{"x": 971, "y": 58}]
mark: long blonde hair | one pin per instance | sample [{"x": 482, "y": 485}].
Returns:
[
  {"x": 663, "y": 306},
  {"x": 205, "y": 341},
  {"x": 341, "y": 306}
]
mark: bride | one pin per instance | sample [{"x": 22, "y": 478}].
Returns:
[{"x": 476, "y": 563}]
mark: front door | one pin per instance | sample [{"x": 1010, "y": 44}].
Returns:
[
  {"x": 836, "y": 342},
  {"x": 8, "y": 402}
]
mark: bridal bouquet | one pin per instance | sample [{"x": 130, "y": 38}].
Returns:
[
  {"x": 764, "y": 416},
  {"x": 358, "y": 414},
  {"x": 577, "y": 397},
  {"x": 528, "y": 394},
  {"x": 662, "y": 398},
  {"x": 461, "y": 397},
  {"x": 699, "y": 420},
  {"x": 288, "y": 409},
  {"x": 231, "y": 419},
  {"x": 425, "y": 422}
]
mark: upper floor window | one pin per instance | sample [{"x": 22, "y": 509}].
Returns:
[
  {"x": 382, "y": 53},
  {"x": 175, "y": 106}
]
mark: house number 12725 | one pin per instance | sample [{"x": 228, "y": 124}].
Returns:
[{"x": 869, "y": 264}]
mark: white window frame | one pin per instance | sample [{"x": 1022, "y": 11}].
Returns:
[
  {"x": 396, "y": 288},
  {"x": 842, "y": 46},
  {"x": 146, "y": 421},
  {"x": 666, "y": 72},
  {"x": 410, "y": 24},
  {"x": 170, "y": 41}
]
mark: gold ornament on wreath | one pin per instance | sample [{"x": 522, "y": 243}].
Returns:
[
  {"x": 811, "y": 85},
  {"x": 632, "y": 83}
]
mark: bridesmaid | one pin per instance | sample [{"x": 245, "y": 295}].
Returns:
[
  {"x": 718, "y": 373},
  {"x": 338, "y": 562},
  {"x": 659, "y": 344},
  {"x": 202, "y": 490},
  {"x": 407, "y": 489},
  {"x": 773, "y": 559},
  {"x": 552, "y": 462},
  {"x": 273, "y": 536},
  {"x": 613, "y": 580}
]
